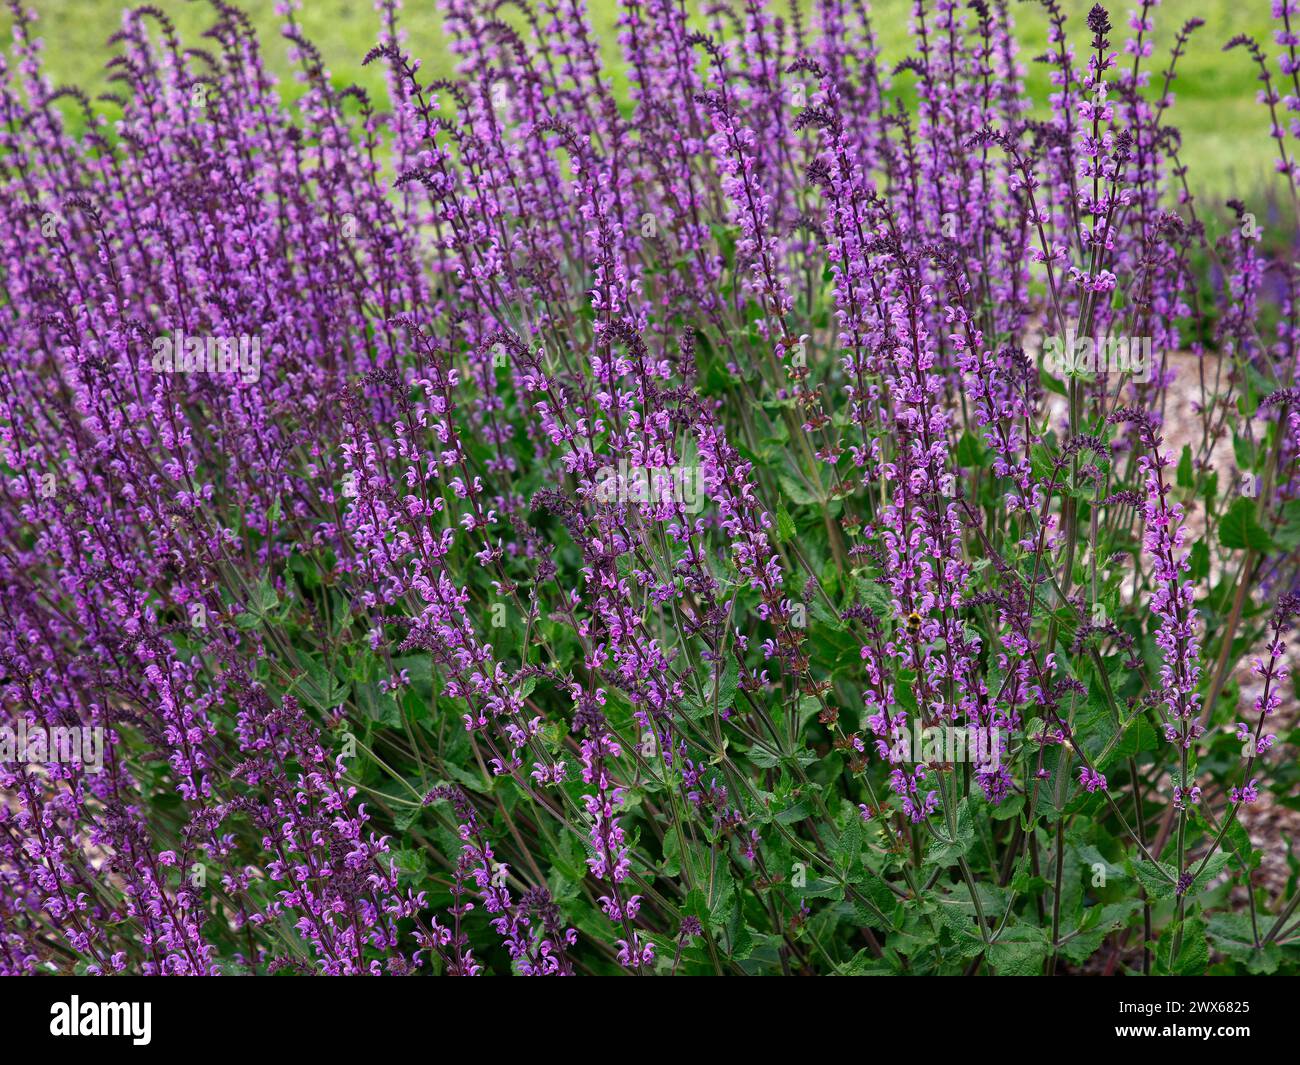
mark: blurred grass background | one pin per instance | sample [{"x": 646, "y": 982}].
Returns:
[{"x": 1225, "y": 131}]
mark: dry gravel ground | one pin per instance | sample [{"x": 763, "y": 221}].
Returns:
[
  {"x": 1271, "y": 827},
  {"x": 1274, "y": 829}
]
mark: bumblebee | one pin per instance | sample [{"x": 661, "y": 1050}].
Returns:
[{"x": 913, "y": 623}]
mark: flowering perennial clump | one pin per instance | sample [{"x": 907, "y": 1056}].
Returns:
[{"x": 515, "y": 526}]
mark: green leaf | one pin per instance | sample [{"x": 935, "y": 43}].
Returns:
[
  {"x": 850, "y": 844},
  {"x": 719, "y": 691},
  {"x": 1212, "y": 869},
  {"x": 1008, "y": 808},
  {"x": 1098, "y": 922},
  {"x": 672, "y": 853},
  {"x": 1185, "y": 477},
  {"x": 795, "y": 812},
  {"x": 264, "y": 599},
  {"x": 1244, "y": 451},
  {"x": 1288, "y": 536},
  {"x": 1159, "y": 880},
  {"x": 1050, "y": 383},
  {"x": 1240, "y": 529},
  {"x": 383, "y": 707},
  {"x": 796, "y": 492},
  {"x": 411, "y": 864},
  {"x": 1021, "y": 950},
  {"x": 1233, "y": 936},
  {"x": 821, "y": 888},
  {"x": 971, "y": 451},
  {"x": 874, "y": 598},
  {"x": 953, "y": 917},
  {"x": 784, "y": 524},
  {"x": 1237, "y": 843},
  {"x": 318, "y": 687},
  {"x": 1193, "y": 956},
  {"x": 944, "y": 850}
]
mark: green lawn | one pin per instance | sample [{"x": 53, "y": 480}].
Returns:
[{"x": 1224, "y": 130}]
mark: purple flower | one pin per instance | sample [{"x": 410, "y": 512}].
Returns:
[{"x": 1091, "y": 780}]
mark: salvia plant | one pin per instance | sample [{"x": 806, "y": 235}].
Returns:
[{"x": 792, "y": 513}]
